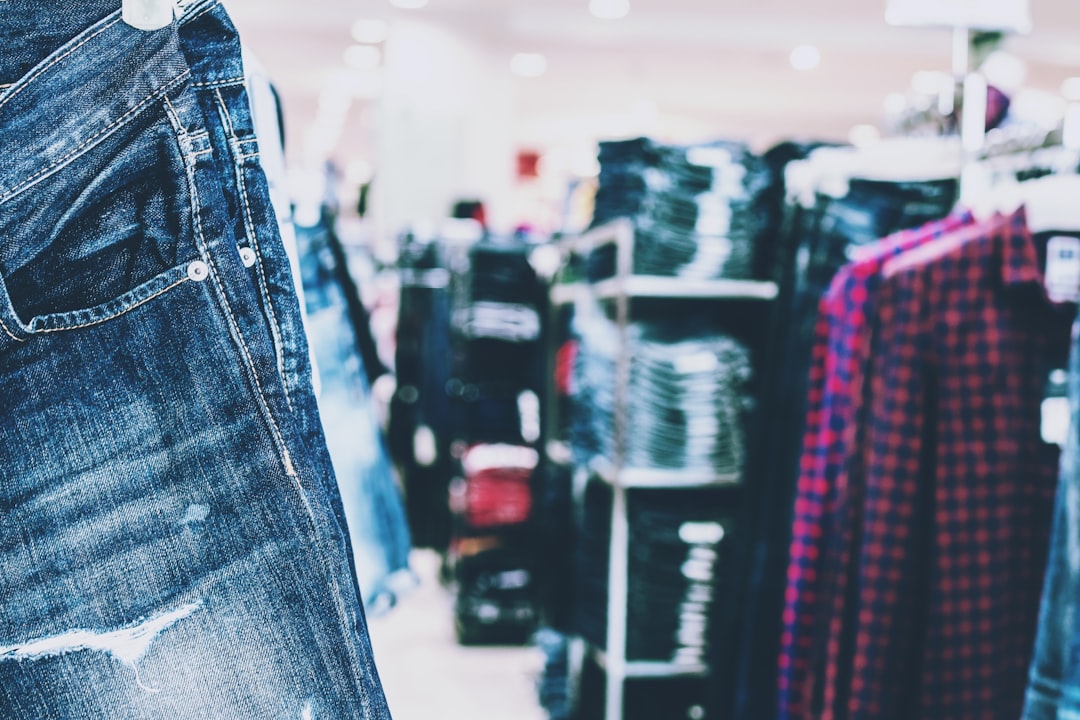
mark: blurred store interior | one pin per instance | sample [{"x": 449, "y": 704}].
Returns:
[{"x": 579, "y": 247}]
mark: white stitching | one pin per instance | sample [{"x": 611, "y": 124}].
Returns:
[
  {"x": 229, "y": 314},
  {"x": 104, "y": 131},
  {"x": 249, "y": 227},
  {"x": 223, "y": 111},
  {"x": 55, "y": 60},
  {"x": 219, "y": 83},
  {"x": 9, "y": 333},
  {"x": 188, "y": 18},
  {"x": 117, "y": 314},
  {"x": 249, "y": 222}
]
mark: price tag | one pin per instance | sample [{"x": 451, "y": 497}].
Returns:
[
  {"x": 1055, "y": 409},
  {"x": 1003, "y": 15},
  {"x": 1063, "y": 269}
]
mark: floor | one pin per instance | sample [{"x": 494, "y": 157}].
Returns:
[{"x": 426, "y": 674}]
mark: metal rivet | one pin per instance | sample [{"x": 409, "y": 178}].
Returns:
[
  {"x": 247, "y": 256},
  {"x": 198, "y": 271}
]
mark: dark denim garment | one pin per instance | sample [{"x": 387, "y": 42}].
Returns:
[
  {"x": 421, "y": 409},
  {"x": 698, "y": 211},
  {"x": 372, "y": 501},
  {"x": 169, "y": 546},
  {"x": 679, "y": 563},
  {"x": 815, "y": 244},
  {"x": 1054, "y": 683}
]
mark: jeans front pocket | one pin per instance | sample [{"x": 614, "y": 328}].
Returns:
[{"x": 95, "y": 207}]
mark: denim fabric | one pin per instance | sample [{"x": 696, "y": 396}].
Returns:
[
  {"x": 679, "y": 559},
  {"x": 372, "y": 502},
  {"x": 421, "y": 404},
  {"x": 690, "y": 395},
  {"x": 698, "y": 211},
  {"x": 168, "y": 541},
  {"x": 1054, "y": 683},
  {"x": 212, "y": 49}
]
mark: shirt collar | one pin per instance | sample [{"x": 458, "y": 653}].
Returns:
[{"x": 1019, "y": 257}]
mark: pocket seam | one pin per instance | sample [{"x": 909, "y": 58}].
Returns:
[
  {"x": 123, "y": 119},
  {"x": 128, "y": 302}
]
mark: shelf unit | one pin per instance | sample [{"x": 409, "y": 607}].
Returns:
[{"x": 620, "y": 290}]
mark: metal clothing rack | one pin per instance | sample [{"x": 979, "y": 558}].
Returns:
[{"x": 619, "y": 292}]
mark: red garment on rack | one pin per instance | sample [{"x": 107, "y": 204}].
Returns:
[
  {"x": 498, "y": 489},
  {"x": 840, "y": 352},
  {"x": 950, "y": 488}
]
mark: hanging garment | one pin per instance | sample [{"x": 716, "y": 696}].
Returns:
[
  {"x": 951, "y": 484},
  {"x": 839, "y": 356},
  {"x": 168, "y": 539},
  {"x": 820, "y": 239},
  {"x": 1055, "y": 675},
  {"x": 421, "y": 412},
  {"x": 373, "y": 505}
]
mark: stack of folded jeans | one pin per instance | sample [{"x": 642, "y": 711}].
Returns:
[
  {"x": 496, "y": 343},
  {"x": 172, "y": 542},
  {"x": 680, "y": 548},
  {"x": 697, "y": 211},
  {"x": 688, "y": 404}
]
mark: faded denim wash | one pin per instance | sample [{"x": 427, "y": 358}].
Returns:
[{"x": 170, "y": 540}]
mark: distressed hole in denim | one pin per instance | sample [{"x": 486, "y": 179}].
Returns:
[
  {"x": 195, "y": 514},
  {"x": 307, "y": 713},
  {"x": 128, "y": 645}
]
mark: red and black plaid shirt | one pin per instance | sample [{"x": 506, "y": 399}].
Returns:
[
  {"x": 955, "y": 487},
  {"x": 821, "y": 539}
]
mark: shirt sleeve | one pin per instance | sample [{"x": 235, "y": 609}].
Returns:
[
  {"x": 811, "y": 508},
  {"x": 897, "y": 458}
]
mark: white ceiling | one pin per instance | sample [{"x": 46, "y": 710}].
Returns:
[
  {"x": 693, "y": 68},
  {"x": 714, "y": 62}
]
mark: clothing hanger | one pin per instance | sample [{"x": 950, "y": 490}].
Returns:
[
  {"x": 148, "y": 14},
  {"x": 1050, "y": 203}
]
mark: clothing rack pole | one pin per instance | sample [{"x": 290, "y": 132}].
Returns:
[{"x": 972, "y": 99}]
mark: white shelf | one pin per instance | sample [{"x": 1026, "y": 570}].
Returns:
[
  {"x": 653, "y": 286},
  {"x": 567, "y": 293},
  {"x": 605, "y": 234},
  {"x": 648, "y": 668},
  {"x": 660, "y": 478},
  {"x": 434, "y": 278}
]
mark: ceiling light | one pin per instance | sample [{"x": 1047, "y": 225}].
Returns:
[
  {"x": 371, "y": 32},
  {"x": 863, "y": 135},
  {"x": 409, "y": 4},
  {"x": 528, "y": 65},
  {"x": 609, "y": 9},
  {"x": 1071, "y": 89},
  {"x": 362, "y": 57},
  {"x": 895, "y": 103},
  {"x": 805, "y": 57}
]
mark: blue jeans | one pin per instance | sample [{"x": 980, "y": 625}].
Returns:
[
  {"x": 1054, "y": 683},
  {"x": 170, "y": 545},
  {"x": 372, "y": 502},
  {"x": 211, "y": 48}
]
